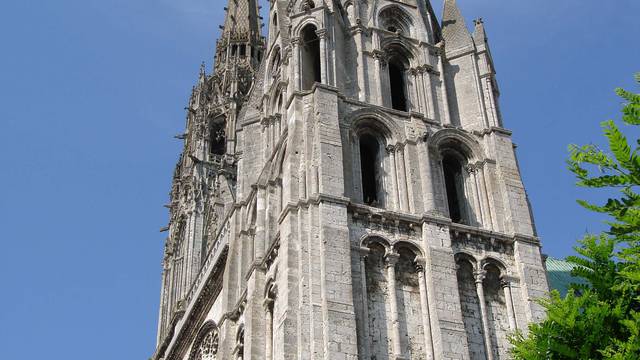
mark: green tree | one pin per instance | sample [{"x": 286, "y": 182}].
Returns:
[{"x": 599, "y": 319}]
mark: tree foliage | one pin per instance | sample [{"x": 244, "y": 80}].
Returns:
[{"x": 599, "y": 319}]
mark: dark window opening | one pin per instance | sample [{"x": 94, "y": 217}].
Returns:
[
  {"x": 369, "y": 163},
  {"x": 234, "y": 50},
  {"x": 243, "y": 50},
  {"x": 392, "y": 29},
  {"x": 218, "y": 142},
  {"x": 454, "y": 185},
  {"x": 397, "y": 83},
  {"x": 311, "y": 69}
]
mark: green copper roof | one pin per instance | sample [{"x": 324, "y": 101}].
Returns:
[{"x": 559, "y": 275}]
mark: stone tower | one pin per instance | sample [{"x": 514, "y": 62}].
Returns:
[{"x": 347, "y": 190}]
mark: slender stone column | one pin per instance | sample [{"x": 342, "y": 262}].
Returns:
[
  {"x": 417, "y": 104},
  {"x": 402, "y": 178},
  {"x": 357, "y": 33},
  {"x": 479, "y": 277},
  {"x": 506, "y": 286},
  {"x": 295, "y": 42},
  {"x": 324, "y": 75},
  {"x": 364, "y": 253},
  {"x": 391, "y": 260},
  {"x": 259, "y": 242},
  {"x": 380, "y": 62},
  {"x": 424, "y": 303},
  {"x": 391, "y": 150},
  {"x": 268, "y": 312}
]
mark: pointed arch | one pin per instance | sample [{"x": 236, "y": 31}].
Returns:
[{"x": 206, "y": 344}]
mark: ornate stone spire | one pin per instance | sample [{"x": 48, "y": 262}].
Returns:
[{"x": 454, "y": 30}]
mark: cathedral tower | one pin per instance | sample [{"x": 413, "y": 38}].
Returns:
[{"x": 348, "y": 190}]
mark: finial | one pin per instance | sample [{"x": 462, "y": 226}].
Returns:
[{"x": 478, "y": 21}]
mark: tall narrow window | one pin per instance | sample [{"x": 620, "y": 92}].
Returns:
[
  {"x": 369, "y": 164},
  {"x": 454, "y": 183},
  {"x": 310, "y": 70},
  {"x": 218, "y": 139},
  {"x": 397, "y": 85}
]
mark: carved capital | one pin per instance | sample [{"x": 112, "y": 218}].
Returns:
[
  {"x": 479, "y": 276},
  {"x": 391, "y": 259},
  {"x": 322, "y": 34}
]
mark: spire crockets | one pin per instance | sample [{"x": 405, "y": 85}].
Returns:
[{"x": 454, "y": 30}]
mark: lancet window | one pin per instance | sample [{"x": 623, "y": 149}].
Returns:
[
  {"x": 371, "y": 160},
  {"x": 455, "y": 189},
  {"x": 311, "y": 68},
  {"x": 218, "y": 137}
]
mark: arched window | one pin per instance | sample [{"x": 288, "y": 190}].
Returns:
[
  {"x": 370, "y": 163},
  {"x": 206, "y": 344},
  {"x": 276, "y": 62},
  {"x": 218, "y": 138},
  {"x": 454, "y": 183},
  {"x": 397, "y": 84},
  {"x": 310, "y": 69}
]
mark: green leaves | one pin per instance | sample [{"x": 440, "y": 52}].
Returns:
[{"x": 599, "y": 319}]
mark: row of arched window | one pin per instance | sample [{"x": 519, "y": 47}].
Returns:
[
  {"x": 396, "y": 67},
  {"x": 375, "y": 190}
]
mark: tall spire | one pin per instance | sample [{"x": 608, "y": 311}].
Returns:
[
  {"x": 242, "y": 27},
  {"x": 454, "y": 30}
]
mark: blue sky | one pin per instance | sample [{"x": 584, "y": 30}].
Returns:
[{"x": 92, "y": 92}]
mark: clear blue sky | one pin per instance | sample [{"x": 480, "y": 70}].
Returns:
[{"x": 92, "y": 92}]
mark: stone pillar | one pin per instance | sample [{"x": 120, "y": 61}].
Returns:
[
  {"x": 506, "y": 286},
  {"x": 391, "y": 150},
  {"x": 390, "y": 261},
  {"x": 295, "y": 42},
  {"x": 380, "y": 63},
  {"x": 402, "y": 178},
  {"x": 324, "y": 75},
  {"x": 357, "y": 34},
  {"x": 268, "y": 312},
  {"x": 479, "y": 277},
  {"x": 364, "y": 253},
  {"x": 424, "y": 303},
  {"x": 260, "y": 242},
  {"x": 417, "y": 104}
]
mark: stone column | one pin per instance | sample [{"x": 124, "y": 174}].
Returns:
[
  {"x": 295, "y": 42},
  {"x": 324, "y": 75},
  {"x": 390, "y": 261},
  {"x": 417, "y": 104},
  {"x": 364, "y": 253},
  {"x": 506, "y": 286},
  {"x": 402, "y": 178},
  {"x": 424, "y": 303},
  {"x": 380, "y": 62},
  {"x": 268, "y": 312},
  {"x": 479, "y": 277},
  {"x": 391, "y": 150},
  {"x": 260, "y": 242},
  {"x": 357, "y": 34}
]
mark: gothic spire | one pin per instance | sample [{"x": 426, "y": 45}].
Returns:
[
  {"x": 454, "y": 30},
  {"x": 241, "y": 31}
]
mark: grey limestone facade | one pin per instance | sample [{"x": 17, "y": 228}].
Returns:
[{"x": 347, "y": 190}]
